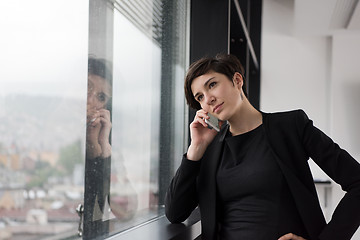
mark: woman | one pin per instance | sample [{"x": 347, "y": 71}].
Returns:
[
  {"x": 98, "y": 149},
  {"x": 98, "y": 109},
  {"x": 252, "y": 180},
  {"x": 98, "y": 202}
]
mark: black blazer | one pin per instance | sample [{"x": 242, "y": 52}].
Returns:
[{"x": 293, "y": 140}]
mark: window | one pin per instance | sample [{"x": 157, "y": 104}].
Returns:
[
  {"x": 67, "y": 66},
  {"x": 42, "y": 130}
]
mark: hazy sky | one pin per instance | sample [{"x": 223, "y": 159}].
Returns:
[{"x": 44, "y": 47}]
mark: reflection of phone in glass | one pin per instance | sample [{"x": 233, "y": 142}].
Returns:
[{"x": 213, "y": 122}]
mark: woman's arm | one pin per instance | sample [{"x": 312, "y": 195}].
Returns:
[
  {"x": 344, "y": 170},
  {"x": 181, "y": 197}
]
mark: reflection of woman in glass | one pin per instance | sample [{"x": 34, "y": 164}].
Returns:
[
  {"x": 98, "y": 110},
  {"x": 98, "y": 149},
  {"x": 98, "y": 205}
]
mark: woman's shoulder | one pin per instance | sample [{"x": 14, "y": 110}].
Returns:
[
  {"x": 285, "y": 114},
  {"x": 286, "y": 118}
]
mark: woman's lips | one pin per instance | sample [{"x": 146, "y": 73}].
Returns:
[{"x": 217, "y": 108}]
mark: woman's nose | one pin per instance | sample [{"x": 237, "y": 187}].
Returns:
[
  {"x": 91, "y": 100},
  {"x": 210, "y": 99}
]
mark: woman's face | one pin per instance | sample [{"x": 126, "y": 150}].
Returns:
[
  {"x": 217, "y": 95},
  {"x": 99, "y": 92}
]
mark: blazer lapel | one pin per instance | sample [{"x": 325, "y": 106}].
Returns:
[
  {"x": 207, "y": 185},
  {"x": 307, "y": 205}
]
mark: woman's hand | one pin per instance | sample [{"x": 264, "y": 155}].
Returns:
[
  {"x": 291, "y": 236},
  {"x": 201, "y": 136},
  {"x": 98, "y": 131}
]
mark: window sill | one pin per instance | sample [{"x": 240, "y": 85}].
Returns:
[{"x": 162, "y": 229}]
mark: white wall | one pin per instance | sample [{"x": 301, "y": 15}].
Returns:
[{"x": 318, "y": 73}]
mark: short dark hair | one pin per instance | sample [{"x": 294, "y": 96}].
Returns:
[
  {"x": 100, "y": 67},
  {"x": 226, "y": 64}
]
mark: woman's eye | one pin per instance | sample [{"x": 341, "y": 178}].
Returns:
[
  {"x": 200, "y": 98},
  {"x": 212, "y": 84},
  {"x": 101, "y": 97}
]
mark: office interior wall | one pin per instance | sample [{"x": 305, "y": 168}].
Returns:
[{"x": 318, "y": 73}]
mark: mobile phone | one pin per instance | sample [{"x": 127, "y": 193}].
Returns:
[{"x": 213, "y": 122}]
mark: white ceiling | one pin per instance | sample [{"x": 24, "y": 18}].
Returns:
[{"x": 326, "y": 17}]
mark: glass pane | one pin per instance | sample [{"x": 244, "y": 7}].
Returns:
[
  {"x": 46, "y": 112},
  {"x": 147, "y": 62},
  {"x": 44, "y": 51}
]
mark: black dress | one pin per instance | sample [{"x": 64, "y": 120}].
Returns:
[{"x": 254, "y": 199}]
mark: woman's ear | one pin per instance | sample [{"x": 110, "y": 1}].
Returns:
[{"x": 238, "y": 80}]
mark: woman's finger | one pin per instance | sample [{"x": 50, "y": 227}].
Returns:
[
  {"x": 104, "y": 113},
  {"x": 95, "y": 121},
  {"x": 202, "y": 114},
  {"x": 291, "y": 236},
  {"x": 199, "y": 120},
  {"x": 200, "y": 117},
  {"x": 92, "y": 115}
]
